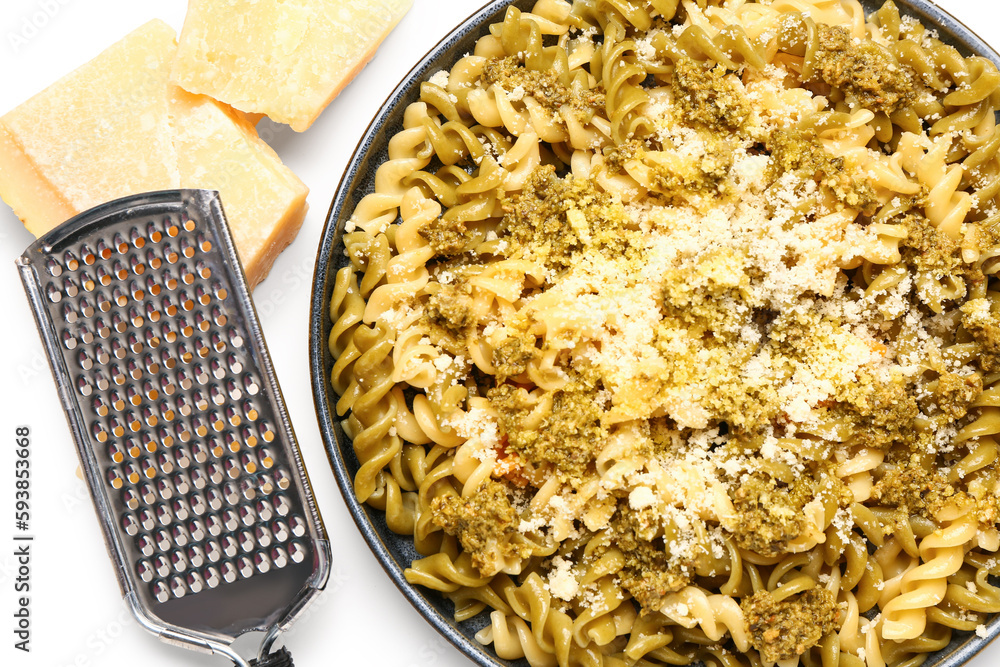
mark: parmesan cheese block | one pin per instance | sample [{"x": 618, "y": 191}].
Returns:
[
  {"x": 117, "y": 126},
  {"x": 286, "y": 59}
]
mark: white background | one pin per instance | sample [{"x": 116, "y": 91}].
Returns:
[{"x": 78, "y": 617}]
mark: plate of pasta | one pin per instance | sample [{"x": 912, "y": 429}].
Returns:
[{"x": 649, "y": 332}]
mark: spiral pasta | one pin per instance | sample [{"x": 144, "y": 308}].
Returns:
[{"x": 671, "y": 333}]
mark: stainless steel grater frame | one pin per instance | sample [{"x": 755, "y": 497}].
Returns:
[{"x": 178, "y": 420}]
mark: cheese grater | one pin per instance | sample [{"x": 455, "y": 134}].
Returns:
[{"x": 178, "y": 420}]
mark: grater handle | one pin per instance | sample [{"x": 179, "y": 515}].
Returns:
[{"x": 280, "y": 658}]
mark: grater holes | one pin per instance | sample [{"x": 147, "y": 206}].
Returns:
[
  {"x": 229, "y": 546},
  {"x": 103, "y": 277},
  {"x": 130, "y": 499},
  {"x": 212, "y": 577},
  {"x": 195, "y": 554},
  {"x": 53, "y": 268},
  {"x": 198, "y": 534},
  {"x": 148, "y": 522},
  {"x": 280, "y": 531},
  {"x": 214, "y": 498},
  {"x": 280, "y": 557},
  {"x": 181, "y": 484},
  {"x": 103, "y": 303},
  {"x": 115, "y": 453},
  {"x": 162, "y": 565},
  {"x": 171, "y": 256},
  {"x": 214, "y": 525},
  {"x": 230, "y": 520},
  {"x": 70, "y": 261},
  {"x": 248, "y": 464},
  {"x": 70, "y": 288},
  {"x": 232, "y": 469},
  {"x": 197, "y": 504},
  {"x": 120, "y": 244},
  {"x": 180, "y": 535},
  {"x": 145, "y": 545},
  {"x": 69, "y": 314},
  {"x": 161, "y": 592},
  {"x": 200, "y": 452},
  {"x": 163, "y": 488},
  {"x": 217, "y": 424},
  {"x": 177, "y": 587},
  {"x": 212, "y": 551},
  {"x": 229, "y": 572},
  {"x": 103, "y": 250},
  {"x": 162, "y": 539},
  {"x": 195, "y": 583},
  {"x": 166, "y": 467},
  {"x": 118, "y": 270},
  {"x": 119, "y": 324},
  {"x": 262, "y": 562},
  {"x": 181, "y": 510},
  {"x": 266, "y": 485},
  {"x": 263, "y": 536},
  {"x": 152, "y": 367},
  {"x": 118, "y": 296},
  {"x": 247, "y": 515},
  {"x": 215, "y": 473},
  {"x": 245, "y": 567},
  {"x": 298, "y": 526},
  {"x": 232, "y": 494},
  {"x": 147, "y": 494},
  {"x": 203, "y": 297},
  {"x": 132, "y": 340},
  {"x": 282, "y": 506},
  {"x": 246, "y": 541},
  {"x": 162, "y": 514},
  {"x": 145, "y": 571},
  {"x": 87, "y": 255},
  {"x": 130, "y": 525},
  {"x": 265, "y": 510},
  {"x": 296, "y": 552},
  {"x": 69, "y": 340}
]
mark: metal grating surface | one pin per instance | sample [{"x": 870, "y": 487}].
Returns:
[{"x": 195, "y": 462}]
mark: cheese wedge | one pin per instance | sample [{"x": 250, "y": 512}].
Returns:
[
  {"x": 286, "y": 59},
  {"x": 117, "y": 126}
]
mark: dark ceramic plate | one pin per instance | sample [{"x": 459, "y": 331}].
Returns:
[{"x": 396, "y": 552}]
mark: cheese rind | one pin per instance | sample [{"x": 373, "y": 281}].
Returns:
[
  {"x": 117, "y": 126},
  {"x": 285, "y": 59}
]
